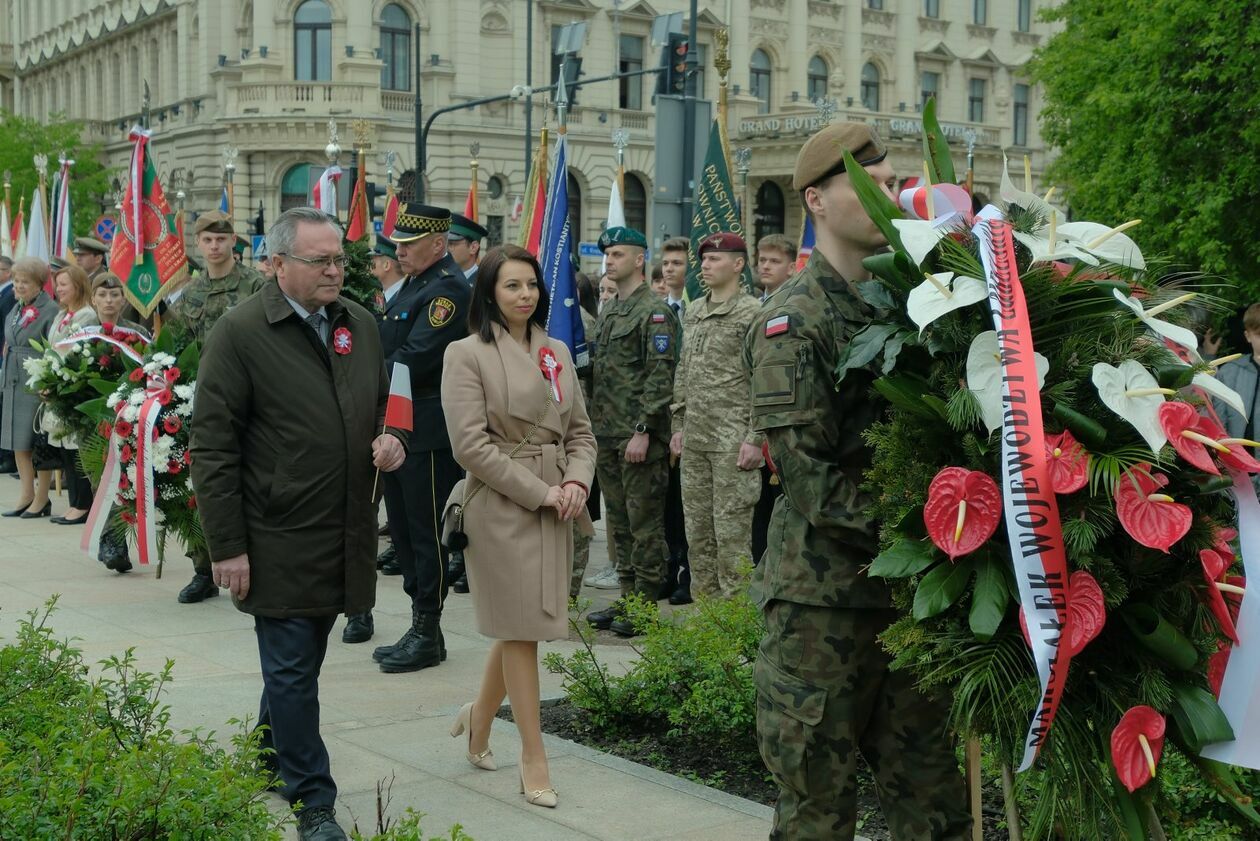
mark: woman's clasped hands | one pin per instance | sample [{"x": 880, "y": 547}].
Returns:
[{"x": 568, "y": 500}]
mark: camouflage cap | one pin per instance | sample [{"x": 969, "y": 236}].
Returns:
[
  {"x": 621, "y": 235},
  {"x": 822, "y": 156},
  {"x": 417, "y": 221},
  {"x": 723, "y": 241},
  {"x": 90, "y": 245},
  {"x": 465, "y": 228},
  {"x": 214, "y": 222}
]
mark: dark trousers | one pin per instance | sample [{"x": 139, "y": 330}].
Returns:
[
  {"x": 78, "y": 488},
  {"x": 414, "y": 497},
  {"x": 291, "y": 652},
  {"x": 761, "y": 513},
  {"x": 675, "y": 526}
]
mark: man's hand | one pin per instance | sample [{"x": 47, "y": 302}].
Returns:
[
  {"x": 232, "y": 573},
  {"x": 636, "y": 449},
  {"x": 387, "y": 452},
  {"x": 749, "y": 457},
  {"x": 675, "y": 444}
]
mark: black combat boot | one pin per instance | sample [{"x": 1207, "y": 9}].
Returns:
[
  {"x": 622, "y": 626},
  {"x": 383, "y": 651},
  {"x": 670, "y": 581},
  {"x": 359, "y": 628},
  {"x": 682, "y": 594},
  {"x": 199, "y": 589},
  {"x": 601, "y": 620},
  {"x": 114, "y": 552},
  {"x": 422, "y": 650},
  {"x": 387, "y": 562}
]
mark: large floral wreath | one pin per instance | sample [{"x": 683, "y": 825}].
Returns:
[{"x": 1095, "y": 389}]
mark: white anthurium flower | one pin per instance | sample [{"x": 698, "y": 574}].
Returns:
[
  {"x": 1220, "y": 391},
  {"x": 941, "y": 294},
  {"x": 1029, "y": 201},
  {"x": 920, "y": 237},
  {"x": 1131, "y": 392},
  {"x": 984, "y": 376},
  {"x": 1048, "y": 245},
  {"x": 1110, "y": 244},
  {"x": 1181, "y": 335}
]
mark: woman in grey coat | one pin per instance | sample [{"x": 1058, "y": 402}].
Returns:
[{"x": 30, "y": 318}]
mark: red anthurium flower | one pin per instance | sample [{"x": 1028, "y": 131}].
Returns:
[
  {"x": 1190, "y": 434},
  {"x": 962, "y": 511},
  {"x": 1214, "y": 568},
  {"x": 1223, "y": 542},
  {"x": 1087, "y": 612},
  {"x": 171, "y": 424},
  {"x": 1068, "y": 462},
  {"x": 123, "y": 428},
  {"x": 1150, "y": 518},
  {"x": 1136, "y": 745}
]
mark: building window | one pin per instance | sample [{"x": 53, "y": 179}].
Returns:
[
  {"x": 975, "y": 100},
  {"x": 395, "y": 48},
  {"x": 295, "y": 187},
  {"x": 870, "y": 86},
  {"x": 874, "y": 4},
  {"x": 768, "y": 212},
  {"x": 759, "y": 80},
  {"x": 980, "y": 12},
  {"x": 1021, "y": 115},
  {"x": 1024, "y": 16},
  {"x": 931, "y": 8},
  {"x": 312, "y": 42},
  {"x": 930, "y": 87},
  {"x": 817, "y": 86},
  {"x": 575, "y": 207},
  {"x": 494, "y": 231},
  {"x": 634, "y": 203},
  {"x": 631, "y": 59},
  {"x": 496, "y": 186}
]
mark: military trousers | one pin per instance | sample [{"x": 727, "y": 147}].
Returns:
[
  {"x": 635, "y": 497},
  {"x": 718, "y": 501},
  {"x": 825, "y": 692},
  {"x": 414, "y": 497}
]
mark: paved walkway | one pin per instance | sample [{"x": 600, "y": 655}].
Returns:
[{"x": 376, "y": 725}]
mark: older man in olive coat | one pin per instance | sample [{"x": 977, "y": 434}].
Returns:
[{"x": 287, "y": 436}]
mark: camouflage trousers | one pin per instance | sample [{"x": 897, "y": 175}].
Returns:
[
  {"x": 718, "y": 501},
  {"x": 635, "y": 498},
  {"x": 825, "y": 692},
  {"x": 582, "y": 557},
  {"x": 201, "y": 561}
]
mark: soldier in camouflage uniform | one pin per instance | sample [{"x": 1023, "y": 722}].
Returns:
[
  {"x": 630, "y": 395},
  {"x": 193, "y": 312},
  {"x": 719, "y": 453},
  {"x": 824, "y": 688}
]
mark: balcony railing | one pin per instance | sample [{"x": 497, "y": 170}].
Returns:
[{"x": 301, "y": 97}]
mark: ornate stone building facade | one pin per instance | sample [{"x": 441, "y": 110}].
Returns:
[{"x": 265, "y": 77}]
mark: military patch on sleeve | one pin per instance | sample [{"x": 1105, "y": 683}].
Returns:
[
  {"x": 441, "y": 311},
  {"x": 658, "y": 318},
  {"x": 776, "y": 326},
  {"x": 661, "y": 342}
]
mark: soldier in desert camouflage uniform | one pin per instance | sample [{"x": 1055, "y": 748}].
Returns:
[
  {"x": 720, "y": 454},
  {"x": 630, "y": 396},
  {"x": 195, "y": 309},
  {"x": 824, "y": 687}
]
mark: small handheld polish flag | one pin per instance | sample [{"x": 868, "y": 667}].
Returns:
[{"x": 398, "y": 409}]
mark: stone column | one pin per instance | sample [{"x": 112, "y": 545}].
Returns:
[
  {"x": 265, "y": 33},
  {"x": 907, "y": 83},
  {"x": 798, "y": 54},
  {"x": 853, "y": 56}
]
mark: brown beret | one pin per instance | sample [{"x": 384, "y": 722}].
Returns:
[
  {"x": 823, "y": 154},
  {"x": 723, "y": 241},
  {"x": 216, "y": 222}
]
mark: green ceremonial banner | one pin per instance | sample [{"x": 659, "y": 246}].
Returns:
[
  {"x": 716, "y": 211},
  {"x": 148, "y": 247}
]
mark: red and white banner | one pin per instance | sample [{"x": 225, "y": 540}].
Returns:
[
  {"x": 94, "y": 333},
  {"x": 325, "y": 193},
  {"x": 1033, "y": 528}
]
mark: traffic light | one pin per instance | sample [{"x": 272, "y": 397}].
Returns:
[{"x": 673, "y": 80}]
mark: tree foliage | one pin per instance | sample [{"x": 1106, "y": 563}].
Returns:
[
  {"x": 1156, "y": 113},
  {"x": 23, "y": 138}
]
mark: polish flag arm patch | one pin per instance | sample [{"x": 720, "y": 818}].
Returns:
[
  {"x": 658, "y": 318},
  {"x": 777, "y": 326}
]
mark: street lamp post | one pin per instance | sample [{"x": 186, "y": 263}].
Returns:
[{"x": 743, "y": 159}]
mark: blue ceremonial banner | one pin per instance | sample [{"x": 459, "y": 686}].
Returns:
[
  {"x": 223, "y": 200},
  {"x": 564, "y": 321}
]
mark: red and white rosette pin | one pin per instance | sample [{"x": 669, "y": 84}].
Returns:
[
  {"x": 551, "y": 368},
  {"x": 342, "y": 343}
]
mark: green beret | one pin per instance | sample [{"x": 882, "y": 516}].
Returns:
[
  {"x": 823, "y": 154},
  {"x": 621, "y": 235}
]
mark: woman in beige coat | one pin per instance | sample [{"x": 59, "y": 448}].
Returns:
[{"x": 520, "y": 498}]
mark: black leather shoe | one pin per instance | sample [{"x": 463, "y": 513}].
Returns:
[
  {"x": 34, "y": 515},
  {"x": 422, "y": 650},
  {"x": 387, "y": 562},
  {"x": 319, "y": 823},
  {"x": 359, "y": 628},
  {"x": 17, "y": 512},
  {"x": 114, "y": 552},
  {"x": 77, "y": 521},
  {"x": 602, "y": 620},
  {"x": 461, "y": 584},
  {"x": 199, "y": 589},
  {"x": 8, "y": 466}
]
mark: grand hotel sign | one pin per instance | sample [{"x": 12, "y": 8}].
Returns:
[{"x": 805, "y": 124}]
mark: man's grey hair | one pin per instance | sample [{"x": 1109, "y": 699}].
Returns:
[
  {"x": 283, "y": 232},
  {"x": 7, "y": 262}
]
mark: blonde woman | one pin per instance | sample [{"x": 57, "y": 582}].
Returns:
[
  {"x": 32, "y": 314},
  {"x": 70, "y": 285}
]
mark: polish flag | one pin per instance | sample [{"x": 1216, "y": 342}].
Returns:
[
  {"x": 391, "y": 214},
  {"x": 398, "y": 408}
]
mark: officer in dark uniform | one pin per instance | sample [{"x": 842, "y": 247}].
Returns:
[
  {"x": 464, "y": 241},
  {"x": 428, "y": 313}
]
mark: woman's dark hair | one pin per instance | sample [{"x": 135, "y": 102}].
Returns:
[
  {"x": 484, "y": 311},
  {"x": 588, "y": 297}
]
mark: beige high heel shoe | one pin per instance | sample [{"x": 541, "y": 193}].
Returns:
[
  {"x": 463, "y": 721},
  {"x": 545, "y": 797}
]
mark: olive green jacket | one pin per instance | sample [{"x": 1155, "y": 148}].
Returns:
[
  {"x": 203, "y": 301},
  {"x": 633, "y": 383}
]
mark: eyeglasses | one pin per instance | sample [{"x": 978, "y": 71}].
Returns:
[{"x": 338, "y": 260}]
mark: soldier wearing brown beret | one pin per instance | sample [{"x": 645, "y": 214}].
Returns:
[{"x": 816, "y": 711}]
